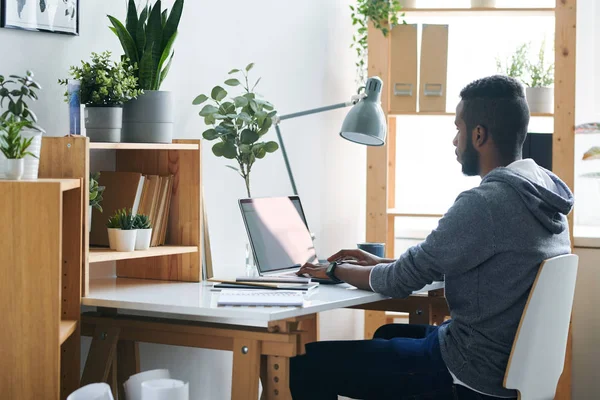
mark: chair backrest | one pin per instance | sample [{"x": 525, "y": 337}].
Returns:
[{"x": 538, "y": 353}]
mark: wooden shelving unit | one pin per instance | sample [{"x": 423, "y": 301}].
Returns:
[
  {"x": 40, "y": 289},
  {"x": 98, "y": 255},
  {"x": 181, "y": 258},
  {"x": 381, "y": 161}
]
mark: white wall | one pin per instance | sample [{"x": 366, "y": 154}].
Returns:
[{"x": 301, "y": 51}]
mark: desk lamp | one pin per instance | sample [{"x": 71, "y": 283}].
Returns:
[{"x": 364, "y": 124}]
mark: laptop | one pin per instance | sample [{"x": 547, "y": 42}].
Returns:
[{"x": 279, "y": 237}]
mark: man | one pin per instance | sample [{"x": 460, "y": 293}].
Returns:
[{"x": 488, "y": 246}]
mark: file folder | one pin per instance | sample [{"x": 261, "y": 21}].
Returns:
[
  {"x": 403, "y": 69},
  {"x": 434, "y": 68}
]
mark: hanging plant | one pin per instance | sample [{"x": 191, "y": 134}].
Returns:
[{"x": 384, "y": 15}]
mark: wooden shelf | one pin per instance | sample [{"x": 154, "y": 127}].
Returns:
[
  {"x": 462, "y": 12},
  {"x": 65, "y": 184},
  {"x": 396, "y": 213},
  {"x": 98, "y": 255},
  {"x": 143, "y": 146},
  {"x": 66, "y": 329},
  {"x": 445, "y": 113}
]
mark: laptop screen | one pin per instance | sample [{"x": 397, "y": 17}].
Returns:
[{"x": 278, "y": 232}]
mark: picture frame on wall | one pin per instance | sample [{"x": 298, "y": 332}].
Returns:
[{"x": 53, "y": 16}]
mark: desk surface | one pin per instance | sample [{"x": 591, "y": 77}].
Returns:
[{"x": 196, "y": 301}]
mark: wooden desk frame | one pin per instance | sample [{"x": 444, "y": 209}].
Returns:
[{"x": 257, "y": 352}]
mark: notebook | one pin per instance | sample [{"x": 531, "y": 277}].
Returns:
[{"x": 260, "y": 298}]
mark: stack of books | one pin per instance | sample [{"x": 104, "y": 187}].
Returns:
[{"x": 143, "y": 194}]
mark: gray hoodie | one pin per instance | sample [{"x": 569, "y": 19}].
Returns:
[{"x": 488, "y": 246}]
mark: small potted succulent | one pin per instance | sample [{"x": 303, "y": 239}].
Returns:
[
  {"x": 105, "y": 87},
  {"x": 142, "y": 223},
  {"x": 14, "y": 147},
  {"x": 123, "y": 232},
  {"x": 95, "y": 197}
]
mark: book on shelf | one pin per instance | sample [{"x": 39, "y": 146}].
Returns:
[{"x": 143, "y": 194}]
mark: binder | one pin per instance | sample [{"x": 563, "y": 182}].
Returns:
[
  {"x": 434, "y": 68},
  {"x": 403, "y": 70}
]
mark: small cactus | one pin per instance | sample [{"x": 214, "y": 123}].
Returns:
[{"x": 141, "y": 221}]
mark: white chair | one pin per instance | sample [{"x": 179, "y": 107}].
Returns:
[{"x": 538, "y": 353}]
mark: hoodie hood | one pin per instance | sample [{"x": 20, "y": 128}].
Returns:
[{"x": 547, "y": 197}]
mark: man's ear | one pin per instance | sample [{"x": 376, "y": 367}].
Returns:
[{"x": 480, "y": 136}]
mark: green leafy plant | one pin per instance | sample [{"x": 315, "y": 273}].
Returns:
[
  {"x": 517, "y": 66},
  {"x": 147, "y": 39},
  {"x": 15, "y": 91},
  {"x": 541, "y": 73},
  {"x": 238, "y": 123},
  {"x": 537, "y": 73},
  {"x": 114, "y": 221},
  {"x": 104, "y": 83},
  {"x": 96, "y": 192},
  {"x": 12, "y": 144},
  {"x": 141, "y": 221},
  {"x": 384, "y": 15}
]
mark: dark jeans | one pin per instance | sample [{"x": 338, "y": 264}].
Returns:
[{"x": 401, "y": 362}]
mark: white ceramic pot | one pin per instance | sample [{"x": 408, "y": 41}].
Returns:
[
  {"x": 142, "y": 240},
  {"x": 14, "y": 168},
  {"x": 483, "y": 3},
  {"x": 125, "y": 239},
  {"x": 32, "y": 164},
  {"x": 540, "y": 99},
  {"x": 112, "y": 241}
]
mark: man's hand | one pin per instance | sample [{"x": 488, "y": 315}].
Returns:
[
  {"x": 314, "y": 271},
  {"x": 358, "y": 257}
]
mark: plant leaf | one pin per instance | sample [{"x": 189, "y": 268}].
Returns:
[
  {"x": 173, "y": 21},
  {"x": 132, "y": 20},
  {"x": 256, "y": 84},
  {"x": 210, "y": 134},
  {"x": 208, "y": 110},
  {"x": 234, "y": 168},
  {"x": 146, "y": 71},
  {"x": 240, "y": 101},
  {"x": 271, "y": 147},
  {"x": 166, "y": 70},
  {"x": 218, "y": 93},
  {"x": 126, "y": 40},
  {"x": 165, "y": 54},
  {"x": 592, "y": 154},
  {"x": 209, "y": 119},
  {"x": 234, "y": 71},
  {"x": 200, "y": 99},
  {"x": 154, "y": 36},
  {"x": 229, "y": 150},
  {"x": 140, "y": 36},
  {"x": 232, "y": 82},
  {"x": 248, "y": 136},
  {"x": 218, "y": 149},
  {"x": 249, "y": 67}
]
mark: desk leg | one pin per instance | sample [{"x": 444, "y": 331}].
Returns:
[
  {"x": 246, "y": 367},
  {"x": 275, "y": 377},
  {"x": 373, "y": 320},
  {"x": 128, "y": 356},
  {"x": 308, "y": 332}
]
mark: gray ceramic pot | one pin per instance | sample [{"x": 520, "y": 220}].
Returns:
[
  {"x": 149, "y": 118},
  {"x": 103, "y": 124}
]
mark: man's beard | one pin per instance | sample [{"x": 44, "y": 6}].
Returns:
[{"x": 470, "y": 160}]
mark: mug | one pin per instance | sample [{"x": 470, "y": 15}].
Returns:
[{"x": 377, "y": 249}]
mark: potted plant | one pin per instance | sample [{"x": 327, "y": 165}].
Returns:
[
  {"x": 142, "y": 223},
  {"x": 517, "y": 66},
  {"x": 14, "y": 147},
  {"x": 14, "y": 94},
  {"x": 539, "y": 93},
  {"x": 105, "y": 86},
  {"x": 238, "y": 124},
  {"x": 147, "y": 38},
  {"x": 123, "y": 232},
  {"x": 95, "y": 197},
  {"x": 383, "y": 14}
]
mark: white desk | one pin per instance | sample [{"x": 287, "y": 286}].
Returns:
[
  {"x": 198, "y": 301},
  {"x": 262, "y": 339}
]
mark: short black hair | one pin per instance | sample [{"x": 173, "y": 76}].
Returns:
[{"x": 498, "y": 104}]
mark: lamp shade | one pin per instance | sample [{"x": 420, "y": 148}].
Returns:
[{"x": 366, "y": 122}]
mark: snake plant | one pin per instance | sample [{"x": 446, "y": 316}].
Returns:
[{"x": 147, "y": 40}]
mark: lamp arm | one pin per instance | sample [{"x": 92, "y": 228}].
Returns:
[{"x": 276, "y": 119}]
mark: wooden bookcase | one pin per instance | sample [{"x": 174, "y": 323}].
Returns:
[
  {"x": 181, "y": 258},
  {"x": 40, "y": 295},
  {"x": 381, "y": 161}
]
